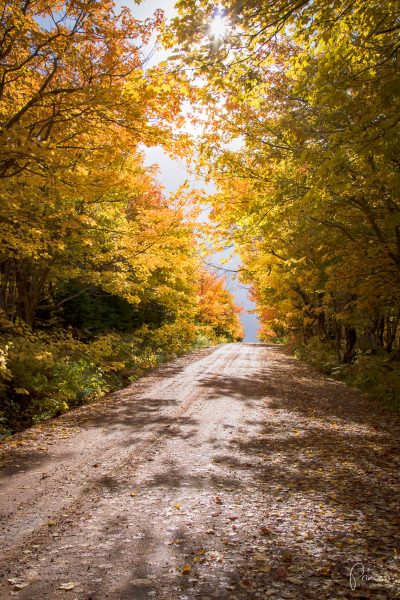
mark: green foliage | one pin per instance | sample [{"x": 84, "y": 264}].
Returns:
[
  {"x": 48, "y": 375},
  {"x": 318, "y": 354},
  {"x": 43, "y": 375},
  {"x": 78, "y": 382},
  {"x": 377, "y": 375},
  {"x": 94, "y": 310}
]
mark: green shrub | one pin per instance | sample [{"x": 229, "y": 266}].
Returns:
[
  {"x": 78, "y": 381},
  {"x": 377, "y": 375},
  {"x": 43, "y": 374}
]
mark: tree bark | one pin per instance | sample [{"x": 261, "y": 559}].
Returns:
[{"x": 351, "y": 340}]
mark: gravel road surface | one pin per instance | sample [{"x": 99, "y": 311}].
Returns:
[{"x": 232, "y": 473}]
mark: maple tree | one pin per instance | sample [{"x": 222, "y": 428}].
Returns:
[
  {"x": 217, "y": 308},
  {"x": 85, "y": 227},
  {"x": 302, "y": 140},
  {"x": 70, "y": 70},
  {"x": 75, "y": 105}
]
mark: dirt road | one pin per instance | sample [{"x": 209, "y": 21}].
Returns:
[{"x": 234, "y": 473}]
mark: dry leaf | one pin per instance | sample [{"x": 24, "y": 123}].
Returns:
[
  {"x": 294, "y": 580},
  {"x": 67, "y": 586},
  {"x": 281, "y": 573},
  {"x": 324, "y": 570},
  {"x": 287, "y": 556},
  {"x": 266, "y": 569},
  {"x": 260, "y": 558}
]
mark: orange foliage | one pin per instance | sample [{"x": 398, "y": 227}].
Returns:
[{"x": 217, "y": 307}]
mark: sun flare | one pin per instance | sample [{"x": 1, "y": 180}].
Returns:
[{"x": 218, "y": 26}]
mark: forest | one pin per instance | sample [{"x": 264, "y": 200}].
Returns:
[
  {"x": 149, "y": 446},
  {"x": 101, "y": 272},
  {"x": 302, "y": 138}
]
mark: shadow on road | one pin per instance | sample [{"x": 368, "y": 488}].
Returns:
[
  {"x": 326, "y": 464},
  {"x": 280, "y": 506}
]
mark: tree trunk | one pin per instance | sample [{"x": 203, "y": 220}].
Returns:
[
  {"x": 391, "y": 330},
  {"x": 351, "y": 339},
  {"x": 21, "y": 287}
]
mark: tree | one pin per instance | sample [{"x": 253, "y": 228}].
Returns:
[
  {"x": 309, "y": 91},
  {"x": 75, "y": 104},
  {"x": 216, "y": 307},
  {"x": 68, "y": 71}
]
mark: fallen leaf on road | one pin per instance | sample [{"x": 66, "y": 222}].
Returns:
[
  {"x": 178, "y": 506},
  {"x": 217, "y": 500},
  {"x": 287, "y": 556},
  {"x": 186, "y": 569},
  {"x": 281, "y": 573},
  {"x": 175, "y": 542},
  {"x": 215, "y": 556},
  {"x": 324, "y": 570},
  {"x": 266, "y": 569},
  {"x": 67, "y": 586},
  {"x": 294, "y": 580},
  {"x": 260, "y": 557},
  {"x": 133, "y": 494}
]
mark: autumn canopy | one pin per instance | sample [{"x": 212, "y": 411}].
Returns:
[
  {"x": 99, "y": 272},
  {"x": 303, "y": 98},
  {"x": 297, "y": 103}
]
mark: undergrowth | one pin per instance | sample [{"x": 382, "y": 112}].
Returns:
[
  {"x": 375, "y": 374},
  {"x": 45, "y": 374}
]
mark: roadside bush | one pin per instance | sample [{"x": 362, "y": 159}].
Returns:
[
  {"x": 169, "y": 340},
  {"x": 46, "y": 376},
  {"x": 43, "y": 375},
  {"x": 318, "y": 354},
  {"x": 377, "y": 375}
]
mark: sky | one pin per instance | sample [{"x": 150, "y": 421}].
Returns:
[{"x": 172, "y": 173}]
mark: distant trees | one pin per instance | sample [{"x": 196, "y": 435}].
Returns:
[{"x": 217, "y": 308}]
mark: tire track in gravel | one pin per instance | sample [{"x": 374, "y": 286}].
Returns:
[
  {"x": 28, "y": 521},
  {"x": 240, "y": 474}
]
